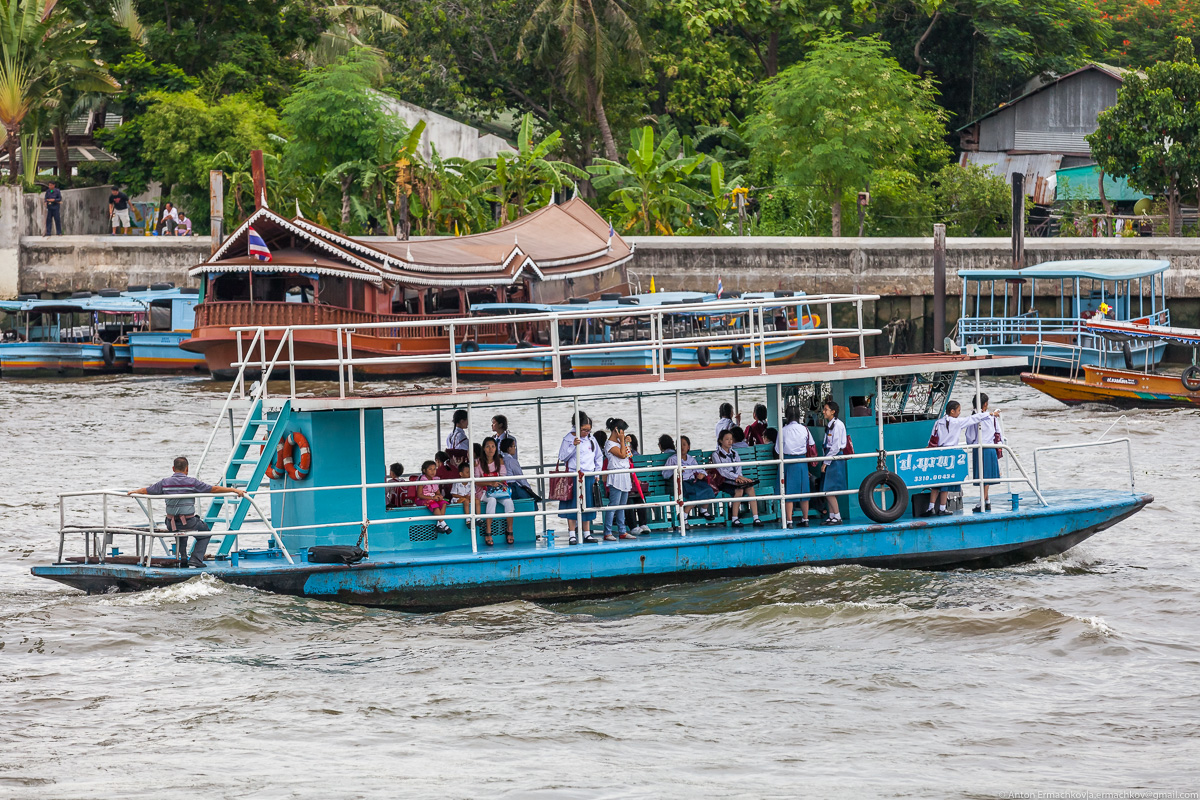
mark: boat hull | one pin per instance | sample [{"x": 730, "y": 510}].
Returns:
[
  {"x": 45, "y": 359},
  {"x": 455, "y": 580},
  {"x": 159, "y": 351},
  {"x": 1115, "y": 387}
]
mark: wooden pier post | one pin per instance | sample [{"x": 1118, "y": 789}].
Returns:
[
  {"x": 939, "y": 287},
  {"x": 259, "y": 175},
  {"x": 1018, "y": 220},
  {"x": 216, "y": 208}
]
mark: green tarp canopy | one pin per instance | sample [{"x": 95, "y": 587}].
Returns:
[{"x": 1083, "y": 183}]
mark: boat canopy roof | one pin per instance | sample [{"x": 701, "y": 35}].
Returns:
[
  {"x": 126, "y": 303},
  {"x": 1103, "y": 269},
  {"x": 639, "y": 300}
]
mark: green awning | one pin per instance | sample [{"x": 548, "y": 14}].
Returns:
[{"x": 1082, "y": 183}]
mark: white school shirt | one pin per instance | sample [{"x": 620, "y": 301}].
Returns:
[
  {"x": 948, "y": 428},
  {"x": 624, "y": 481},
  {"x": 835, "y": 438},
  {"x": 513, "y": 467},
  {"x": 457, "y": 440},
  {"x": 723, "y": 424},
  {"x": 731, "y": 457},
  {"x": 794, "y": 440},
  {"x": 688, "y": 474},
  {"x": 586, "y": 456},
  {"x": 985, "y": 431},
  {"x": 461, "y": 489}
]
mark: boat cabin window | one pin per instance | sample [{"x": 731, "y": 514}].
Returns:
[
  {"x": 160, "y": 315},
  {"x": 333, "y": 291},
  {"x": 299, "y": 290},
  {"x": 406, "y": 301},
  {"x": 231, "y": 287},
  {"x": 358, "y": 291},
  {"x": 912, "y": 398},
  {"x": 808, "y": 397},
  {"x": 442, "y": 301},
  {"x": 477, "y": 296},
  {"x": 860, "y": 405}
]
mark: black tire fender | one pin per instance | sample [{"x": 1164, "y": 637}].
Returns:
[
  {"x": 470, "y": 347},
  {"x": 666, "y": 356},
  {"x": 866, "y": 496},
  {"x": 1127, "y": 352},
  {"x": 737, "y": 354},
  {"x": 1191, "y": 378},
  {"x": 109, "y": 354},
  {"x": 703, "y": 356},
  {"x": 564, "y": 362}
]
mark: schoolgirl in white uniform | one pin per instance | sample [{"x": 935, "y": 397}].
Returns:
[
  {"x": 833, "y": 472},
  {"x": 795, "y": 442},
  {"x": 581, "y": 453},
  {"x": 946, "y": 432},
  {"x": 458, "y": 447},
  {"x": 726, "y": 419},
  {"x": 985, "y": 462},
  {"x": 733, "y": 483}
]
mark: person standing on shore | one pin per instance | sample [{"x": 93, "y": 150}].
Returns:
[
  {"x": 53, "y": 199},
  {"x": 118, "y": 211}
]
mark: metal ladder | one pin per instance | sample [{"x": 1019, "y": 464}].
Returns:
[{"x": 272, "y": 428}]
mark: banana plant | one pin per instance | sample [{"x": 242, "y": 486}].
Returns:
[
  {"x": 652, "y": 187},
  {"x": 523, "y": 181}
]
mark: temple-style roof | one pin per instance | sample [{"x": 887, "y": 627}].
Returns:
[{"x": 553, "y": 243}]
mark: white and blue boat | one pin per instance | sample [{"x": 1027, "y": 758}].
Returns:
[
  {"x": 694, "y": 331},
  {"x": 324, "y": 529},
  {"x": 1041, "y": 310},
  {"x": 88, "y": 334}
]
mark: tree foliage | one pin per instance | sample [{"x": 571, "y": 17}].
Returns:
[
  {"x": 844, "y": 111},
  {"x": 1151, "y": 135}
]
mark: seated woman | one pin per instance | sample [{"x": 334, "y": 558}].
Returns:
[
  {"x": 693, "y": 483},
  {"x": 490, "y": 465},
  {"x": 430, "y": 495},
  {"x": 520, "y": 489},
  {"x": 732, "y": 482}
]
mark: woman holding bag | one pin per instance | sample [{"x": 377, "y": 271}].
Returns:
[
  {"x": 581, "y": 453},
  {"x": 490, "y": 492}
]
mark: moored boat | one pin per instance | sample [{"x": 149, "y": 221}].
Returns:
[
  {"x": 1124, "y": 388},
  {"x": 404, "y": 556},
  {"x": 1044, "y": 308}
]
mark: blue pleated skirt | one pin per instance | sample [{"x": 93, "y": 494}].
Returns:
[
  {"x": 991, "y": 464},
  {"x": 795, "y": 481}
]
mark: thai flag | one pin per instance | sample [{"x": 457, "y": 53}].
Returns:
[
  {"x": 258, "y": 247},
  {"x": 720, "y": 288},
  {"x": 611, "y": 232}
]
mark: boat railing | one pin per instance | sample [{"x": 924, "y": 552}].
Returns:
[
  {"x": 95, "y": 546},
  {"x": 1072, "y": 361},
  {"x": 1017, "y": 330},
  {"x": 97, "y": 537},
  {"x": 1085, "y": 445},
  {"x": 753, "y": 339}
]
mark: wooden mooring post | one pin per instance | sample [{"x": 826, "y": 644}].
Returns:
[{"x": 939, "y": 287}]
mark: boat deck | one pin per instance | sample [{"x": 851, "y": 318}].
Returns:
[{"x": 715, "y": 378}]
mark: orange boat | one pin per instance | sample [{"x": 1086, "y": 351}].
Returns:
[
  {"x": 1121, "y": 387},
  {"x": 314, "y": 276}
]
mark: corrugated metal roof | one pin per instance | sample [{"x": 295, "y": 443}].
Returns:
[
  {"x": 1114, "y": 72},
  {"x": 1082, "y": 183},
  {"x": 1039, "y": 170}
]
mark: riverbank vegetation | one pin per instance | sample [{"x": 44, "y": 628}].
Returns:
[{"x": 668, "y": 116}]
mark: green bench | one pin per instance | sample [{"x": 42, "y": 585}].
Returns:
[{"x": 659, "y": 489}]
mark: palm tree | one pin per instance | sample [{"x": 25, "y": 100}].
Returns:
[
  {"x": 42, "y": 50},
  {"x": 584, "y": 38}
]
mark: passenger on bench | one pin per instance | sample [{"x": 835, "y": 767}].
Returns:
[
  {"x": 394, "y": 496},
  {"x": 732, "y": 481},
  {"x": 756, "y": 432},
  {"x": 693, "y": 483},
  {"x": 461, "y": 492},
  {"x": 491, "y": 465},
  {"x": 520, "y": 489},
  {"x": 431, "y": 496}
]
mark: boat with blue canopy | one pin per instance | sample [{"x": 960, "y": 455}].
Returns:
[
  {"x": 1043, "y": 309},
  {"x": 605, "y": 321},
  {"x": 318, "y": 522},
  {"x": 97, "y": 333}
]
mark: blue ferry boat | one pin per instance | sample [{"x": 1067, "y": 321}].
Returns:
[
  {"x": 111, "y": 331},
  {"x": 317, "y": 522},
  {"x": 1040, "y": 311},
  {"x": 694, "y": 335}
]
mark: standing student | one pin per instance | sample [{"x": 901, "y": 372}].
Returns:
[
  {"x": 985, "y": 461},
  {"x": 833, "y": 473},
  {"x": 946, "y": 432},
  {"x": 500, "y": 431},
  {"x": 795, "y": 442},
  {"x": 619, "y": 484},
  {"x": 693, "y": 481},
  {"x": 458, "y": 447},
  {"x": 636, "y": 519},
  {"x": 581, "y": 453},
  {"x": 733, "y": 482},
  {"x": 490, "y": 492},
  {"x": 726, "y": 418},
  {"x": 431, "y": 496},
  {"x": 756, "y": 431}
]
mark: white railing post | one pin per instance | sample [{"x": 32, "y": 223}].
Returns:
[
  {"x": 291, "y": 340},
  {"x": 862, "y": 357},
  {"x": 555, "y": 346},
  {"x": 341, "y": 366},
  {"x": 829, "y": 328},
  {"x": 453, "y": 362},
  {"x": 350, "y": 358}
]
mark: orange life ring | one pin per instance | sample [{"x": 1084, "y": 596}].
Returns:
[{"x": 297, "y": 469}]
